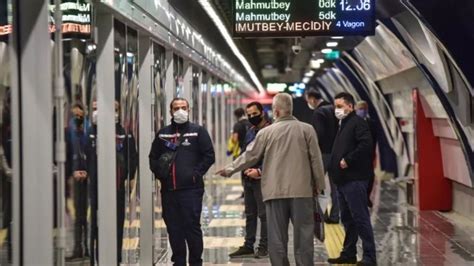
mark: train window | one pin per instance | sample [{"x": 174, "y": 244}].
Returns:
[
  {"x": 81, "y": 166},
  {"x": 159, "y": 114},
  {"x": 126, "y": 131},
  {"x": 159, "y": 75}
]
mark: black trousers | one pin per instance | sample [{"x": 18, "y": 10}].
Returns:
[
  {"x": 254, "y": 208},
  {"x": 356, "y": 220},
  {"x": 7, "y": 212},
  {"x": 80, "y": 225},
  {"x": 182, "y": 215}
]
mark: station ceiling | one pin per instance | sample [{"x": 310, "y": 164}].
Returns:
[{"x": 272, "y": 59}]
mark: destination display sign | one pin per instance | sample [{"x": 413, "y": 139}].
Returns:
[
  {"x": 280, "y": 18},
  {"x": 76, "y": 16}
]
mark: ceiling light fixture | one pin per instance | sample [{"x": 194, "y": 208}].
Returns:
[
  {"x": 314, "y": 64},
  {"x": 309, "y": 74},
  {"x": 326, "y": 51},
  {"x": 211, "y": 12},
  {"x": 306, "y": 80},
  {"x": 331, "y": 44},
  {"x": 337, "y": 37}
]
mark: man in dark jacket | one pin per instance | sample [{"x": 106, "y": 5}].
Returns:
[
  {"x": 182, "y": 186},
  {"x": 351, "y": 168},
  {"x": 76, "y": 168},
  {"x": 325, "y": 123},
  {"x": 362, "y": 110},
  {"x": 253, "y": 199}
]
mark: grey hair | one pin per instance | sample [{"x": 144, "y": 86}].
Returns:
[{"x": 283, "y": 103}]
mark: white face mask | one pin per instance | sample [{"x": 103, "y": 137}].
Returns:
[
  {"x": 340, "y": 113},
  {"x": 94, "y": 117},
  {"x": 116, "y": 118},
  {"x": 180, "y": 116},
  {"x": 310, "y": 106}
]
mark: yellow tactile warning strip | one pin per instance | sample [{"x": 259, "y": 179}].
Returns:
[
  {"x": 334, "y": 239},
  {"x": 226, "y": 223},
  {"x": 232, "y": 208},
  {"x": 3, "y": 236}
]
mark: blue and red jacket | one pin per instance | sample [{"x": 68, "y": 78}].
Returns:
[{"x": 194, "y": 156}]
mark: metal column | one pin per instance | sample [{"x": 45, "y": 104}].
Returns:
[
  {"x": 200, "y": 98},
  {"x": 32, "y": 104},
  {"x": 170, "y": 84},
  {"x": 188, "y": 85},
  {"x": 146, "y": 138},
  {"x": 223, "y": 125},
  {"x": 208, "y": 111},
  {"x": 107, "y": 213},
  {"x": 217, "y": 141}
]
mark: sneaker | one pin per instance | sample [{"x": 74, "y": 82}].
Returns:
[
  {"x": 261, "y": 253},
  {"x": 343, "y": 260},
  {"x": 242, "y": 252}
]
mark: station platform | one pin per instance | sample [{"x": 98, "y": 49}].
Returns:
[{"x": 404, "y": 236}]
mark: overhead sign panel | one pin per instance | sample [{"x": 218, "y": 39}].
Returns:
[
  {"x": 280, "y": 18},
  {"x": 76, "y": 16}
]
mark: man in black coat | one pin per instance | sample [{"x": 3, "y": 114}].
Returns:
[
  {"x": 325, "y": 123},
  {"x": 351, "y": 168},
  {"x": 182, "y": 181}
]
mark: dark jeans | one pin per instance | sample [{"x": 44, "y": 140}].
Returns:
[
  {"x": 182, "y": 215},
  {"x": 356, "y": 219},
  {"x": 80, "y": 225},
  {"x": 254, "y": 207}
]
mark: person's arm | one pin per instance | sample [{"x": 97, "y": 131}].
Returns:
[
  {"x": 319, "y": 124},
  {"x": 155, "y": 154},
  {"x": 315, "y": 157},
  {"x": 206, "y": 151},
  {"x": 364, "y": 144},
  {"x": 251, "y": 156}
]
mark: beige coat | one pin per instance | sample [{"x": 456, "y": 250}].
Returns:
[{"x": 292, "y": 161}]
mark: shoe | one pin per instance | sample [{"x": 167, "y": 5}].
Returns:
[
  {"x": 243, "y": 251},
  {"x": 343, "y": 260},
  {"x": 261, "y": 253},
  {"x": 330, "y": 221},
  {"x": 363, "y": 263}
]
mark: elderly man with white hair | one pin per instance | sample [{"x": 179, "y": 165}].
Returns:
[{"x": 292, "y": 173}]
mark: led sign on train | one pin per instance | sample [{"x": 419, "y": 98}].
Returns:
[{"x": 279, "y": 18}]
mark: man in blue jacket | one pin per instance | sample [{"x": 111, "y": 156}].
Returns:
[
  {"x": 351, "y": 168},
  {"x": 182, "y": 187}
]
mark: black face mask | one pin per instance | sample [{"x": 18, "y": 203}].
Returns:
[
  {"x": 255, "y": 120},
  {"x": 78, "y": 121}
]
